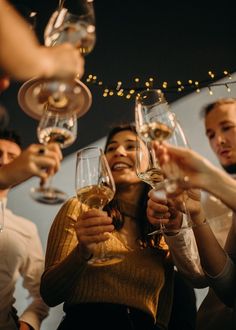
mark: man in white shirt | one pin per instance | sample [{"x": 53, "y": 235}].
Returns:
[{"x": 21, "y": 255}]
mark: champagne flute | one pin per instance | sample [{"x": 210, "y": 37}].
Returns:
[
  {"x": 73, "y": 22},
  {"x": 61, "y": 129},
  {"x": 95, "y": 188},
  {"x": 171, "y": 186},
  {"x": 148, "y": 169},
  {"x": 155, "y": 121}
]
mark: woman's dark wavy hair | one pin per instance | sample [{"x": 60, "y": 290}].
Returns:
[{"x": 113, "y": 207}]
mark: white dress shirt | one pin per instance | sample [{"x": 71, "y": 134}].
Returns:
[{"x": 21, "y": 254}]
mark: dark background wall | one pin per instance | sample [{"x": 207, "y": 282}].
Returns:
[{"x": 166, "y": 40}]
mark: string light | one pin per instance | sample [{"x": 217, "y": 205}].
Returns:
[
  {"x": 228, "y": 88},
  {"x": 210, "y": 90},
  {"x": 190, "y": 85}
]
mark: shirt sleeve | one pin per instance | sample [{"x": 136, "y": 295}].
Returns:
[
  {"x": 184, "y": 252},
  {"x": 31, "y": 273},
  {"x": 224, "y": 284}
]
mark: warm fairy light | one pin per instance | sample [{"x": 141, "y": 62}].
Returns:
[
  {"x": 228, "y": 88},
  {"x": 164, "y": 85},
  {"x": 33, "y": 14},
  {"x": 211, "y": 74},
  {"x": 127, "y": 92},
  {"x": 119, "y": 83},
  {"x": 120, "y": 92},
  {"x": 210, "y": 90},
  {"x": 226, "y": 73}
]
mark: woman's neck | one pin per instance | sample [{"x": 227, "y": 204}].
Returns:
[{"x": 129, "y": 191}]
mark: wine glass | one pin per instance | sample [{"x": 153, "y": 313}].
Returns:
[
  {"x": 171, "y": 184},
  {"x": 155, "y": 121},
  {"x": 95, "y": 188},
  {"x": 148, "y": 169},
  {"x": 61, "y": 129},
  {"x": 146, "y": 165},
  {"x": 73, "y": 22}
]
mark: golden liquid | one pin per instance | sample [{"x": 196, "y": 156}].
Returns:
[
  {"x": 95, "y": 196},
  {"x": 153, "y": 177},
  {"x": 155, "y": 131},
  {"x": 59, "y": 135}
]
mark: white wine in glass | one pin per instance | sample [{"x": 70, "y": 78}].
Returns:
[
  {"x": 54, "y": 128},
  {"x": 155, "y": 121},
  {"x": 95, "y": 188}
]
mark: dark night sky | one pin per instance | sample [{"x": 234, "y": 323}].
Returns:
[{"x": 164, "y": 40}]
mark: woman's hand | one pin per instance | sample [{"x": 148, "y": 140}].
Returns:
[
  {"x": 92, "y": 227},
  {"x": 161, "y": 210}
]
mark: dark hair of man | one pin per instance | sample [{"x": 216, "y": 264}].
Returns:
[
  {"x": 113, "y": 207},
  {"x": 10, "y": 135},
  {"x": 209, "y": 107}
]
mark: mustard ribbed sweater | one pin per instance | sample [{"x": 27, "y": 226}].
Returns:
[{"x": 143, "y": 280}]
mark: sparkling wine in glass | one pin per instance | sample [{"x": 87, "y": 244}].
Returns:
[
  {"x": 148, "y": 169},
  {"x": 155, "y": 121},
  {"x": 95, "y": 188},
  {"x": 54, "y": 128}
]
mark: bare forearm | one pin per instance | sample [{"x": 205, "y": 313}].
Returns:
[
  {"x": 222, "y": 186},
  {"x": 13, "y": 55},
  {"x": 213, "y": 257}
]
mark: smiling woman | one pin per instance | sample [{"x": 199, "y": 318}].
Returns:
[{"x": 138, "y": 292}]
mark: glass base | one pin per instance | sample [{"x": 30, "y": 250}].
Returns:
[
  {"x": 48, "y": 195},
  {"x": 57, "y": 95},
  {"x": 166, "y": 230},
  {"x": 105, "y": 261}
]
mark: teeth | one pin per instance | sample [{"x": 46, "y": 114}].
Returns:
[{"x": 118, "y": 166}]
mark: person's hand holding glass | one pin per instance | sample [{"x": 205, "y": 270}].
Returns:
[
  {"x": 60, "y": 129},
  {"x": 156, "y": 123},
  {"x": 72, "y": 23},
  {"x": 95, "y": 188}
]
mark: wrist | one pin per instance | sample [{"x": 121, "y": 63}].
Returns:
[
  {"x": 84, "y": 253},
  {"x": 200, "y": 223}
]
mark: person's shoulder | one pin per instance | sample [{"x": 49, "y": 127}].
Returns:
[
  {"x": 21, "y": 223},
  {"x": 71, "y": 208}
]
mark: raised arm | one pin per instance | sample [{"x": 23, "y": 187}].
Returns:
[
  {"x": 196, "y": 171},
  {"x": 22, "y": 57}
]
